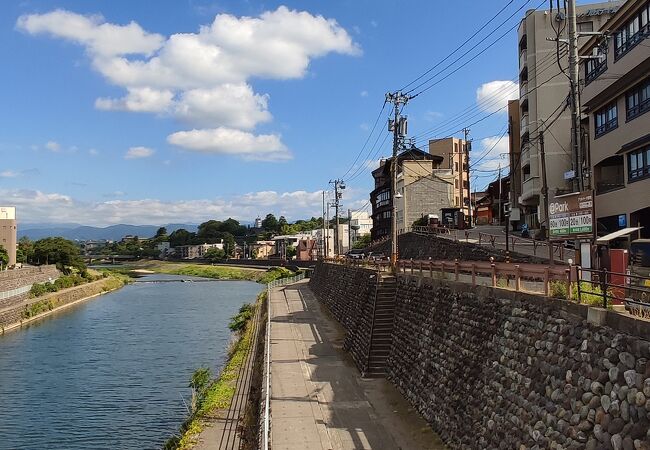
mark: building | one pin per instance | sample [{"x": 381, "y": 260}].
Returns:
[
  {"x": 8, "y": 229},
  {"x": 163, "y": 249},
  {"x": 543, "y": 91},
  {"x": 262, "y": 249},
  {"x": 454, "y": 153},
  {"x": 195, "y": 251},
  {"x": 360, "y": 225},
  {"x": 307, "y": 250},
  {"x": 258, "y": 222},
  {"x": 381, "y": 196},
  {"x": 615, "y": 105},
  {"x": 422, "y": 195},
  {"x": 514, "y": 153}
]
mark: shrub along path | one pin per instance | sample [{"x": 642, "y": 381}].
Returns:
[{"x": 318, "y": 399}]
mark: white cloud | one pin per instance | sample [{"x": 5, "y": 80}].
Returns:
[
  {"x": 93, "y": 152},
  {"x": 491, "y": 150},
  {"x": 9, "y": 174},
  {"x": 138, "y": 99},
  {"x": 264, "y": 147},
  {"x": 493, "y": 96},
  {"x": 37, "y": 206},
  {"x": 200, "y": 78},
  {"x": 363, "y": 93},
  {"x": 138, "y": 153},
  {"x": 53, "y": 146}
]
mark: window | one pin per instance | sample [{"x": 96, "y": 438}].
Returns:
[
  {"x": 456, "y": 183},
  {"x": 632, "y": 32},
  {"x": 594, "y": 67},
  {"x": 456, "y": 166},
  {"x": 638, "y": 164},
  {"x": 605, "y": 119},
  {"x": 586, "y": 26},
  {"x": 382, "y": 199},
  {"x": 637, "y": 101},
  {"x": 457, "y": 201}
]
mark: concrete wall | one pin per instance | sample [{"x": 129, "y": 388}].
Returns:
[{"x": 490, "y": 369}]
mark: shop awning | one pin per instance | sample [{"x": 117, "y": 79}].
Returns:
[{"x": 616, "y": 234}]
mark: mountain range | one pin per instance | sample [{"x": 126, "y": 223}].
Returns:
[{"x": 79, "y": 232}]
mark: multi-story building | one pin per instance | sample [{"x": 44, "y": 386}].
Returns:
[
  {"x": 454, "y": 154},
  {"x": 195, "y": 251},
  {"x": 381, "y": 198},
  {"x": 514, "y": 150},
  {"x": 8, "y": 232},
  {"x": 360, "y": 225},
  {"x": 616, "y": 105},
  {"x": 543, "y": 91}
]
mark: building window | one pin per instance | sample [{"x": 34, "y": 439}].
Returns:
[
  {"x": 606, "y": 119},
  {"x": 456, "y": 183},
  {"x": 594, "y": 67},
  {"x": 632, "y": 32},
  {"x": 638, "y": 164},
  {"x": 637, "y": 101},
  {"x": 586, "y": 26},
  {"x": 456, "y": 166},
  {"x": 457, "y": 201}
]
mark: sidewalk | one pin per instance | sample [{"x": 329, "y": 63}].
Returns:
[{"x": 318, "y": 400}]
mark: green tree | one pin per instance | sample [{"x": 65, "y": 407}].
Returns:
[
  {"x": 233, "y": 227},
  {"x": 282, "y": 222},
  {"x": 25, "y": 250},
  {"x": 270, "y": 223},
  {"x": 161, "y": 234},
  {"x": 4, "y": 257},
  {"x": 229, "y": 245},
  {"x": 210, "y": 231},
  {"x": 214, "y": 254},
  {"x": 362, "y": 242},
  {"x": 291, "y": 252},
  {"x": 59, "y": 251},
  {"x": 181, "y": 237}
]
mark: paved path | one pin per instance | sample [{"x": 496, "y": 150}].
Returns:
[{"x": 318, "y": 400}]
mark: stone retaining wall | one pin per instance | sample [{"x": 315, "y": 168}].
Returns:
[
  {"x": 495, "y": 369},
  {"x": 349, "y": 296},
  {"x": 57, "y": 299},
  {"x": 13, "y": 279}
]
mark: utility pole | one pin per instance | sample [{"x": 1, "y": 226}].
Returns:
[
  {"x": 338, "y": 186},
  {"x": 349, "y": 229},
  {"x": 327, "y": 239},
  {"x": 468, "y": 147},
  {"x": 399, "y": 129},
  {"x": 575, "y": 99},
  {"x": 499, "y": 193},
  {"x": 323, "y": 252},
  {"x": 545, "y": 194}
]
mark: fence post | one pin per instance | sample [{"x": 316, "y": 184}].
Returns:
[
  {"x": 430, "y": 268},
  {"x": 569, "y": 286},
  {"x": 494, "y": 272},
  {"x": 456, "y": 271},
  {"x": 420, "y": 270},
  {"x": 442, "y": 267},
  {"x": 479, "y": 238},
  {"x": 517, "y": 278},
  {"x": 579, "y": 277},
  {"x": 473, "y": 274},
  {"x": 603, "y": 286},
  {"x": 411, "y": 263}
]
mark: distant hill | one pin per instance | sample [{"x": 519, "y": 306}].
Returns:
[{"x": 84, "y": 233}]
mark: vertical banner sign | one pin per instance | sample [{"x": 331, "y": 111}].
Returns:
[{"x": 571, "y": 215}]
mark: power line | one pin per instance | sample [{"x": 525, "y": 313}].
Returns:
[{"x": 367, "y": 140}]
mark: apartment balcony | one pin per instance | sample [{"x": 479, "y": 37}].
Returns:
[
  {"x": 529, "y": 190},
  {"x": 524, "y": 125},
  {"x": 523, "y": 59},
  {"x": 524, "y": 158},
  {"x": 523, "y": 95}
]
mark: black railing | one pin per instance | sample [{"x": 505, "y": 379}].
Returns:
[
  {"x": 628, "y": 289},
  {"x": 638, "y": 109},
  {"x": 606, "y": 127},
  {"x": 608, "y": 186}
]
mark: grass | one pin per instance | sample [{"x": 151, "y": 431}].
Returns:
[
  {"x": 216, "y": 272},
  {"x": 221, "y": 390}
]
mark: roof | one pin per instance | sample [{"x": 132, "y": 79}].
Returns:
[{"x": 616, "y": 234}]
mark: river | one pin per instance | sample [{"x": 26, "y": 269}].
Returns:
[{"x": 112, "y": 372}]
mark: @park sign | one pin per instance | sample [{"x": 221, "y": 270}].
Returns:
[{"x": 571, "y": 215}]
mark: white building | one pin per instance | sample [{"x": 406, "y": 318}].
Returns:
[{"x": 360, "y": 225}]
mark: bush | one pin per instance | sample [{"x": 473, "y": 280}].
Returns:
[
  {"x": 238, "y": 322},
  {"x": 590, "y": 293}
]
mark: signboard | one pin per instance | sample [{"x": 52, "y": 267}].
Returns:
[
  {"x": 571, "y": 215},
  {"x": 569, "y": 175}
]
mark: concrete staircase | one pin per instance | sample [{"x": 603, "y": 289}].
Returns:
[{"x": 380, "y": 340}]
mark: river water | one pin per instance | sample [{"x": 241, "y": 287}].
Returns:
[{"x": 112, "y": 372}]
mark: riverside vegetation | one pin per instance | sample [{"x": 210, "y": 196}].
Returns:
[{"x": 212, "y": 395}]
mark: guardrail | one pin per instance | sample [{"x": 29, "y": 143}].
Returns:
[
  {"x": 267, "y": 399},
  {"x": 627, "y": 289}
]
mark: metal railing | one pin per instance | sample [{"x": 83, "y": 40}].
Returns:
[
  {"x": 630, "y": 290},
  {"x": 267, "y": 399}
]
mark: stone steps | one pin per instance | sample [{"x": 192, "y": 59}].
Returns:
[{"x": 381, "y": 338}]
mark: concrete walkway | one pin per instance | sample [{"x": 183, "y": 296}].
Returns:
[{"x": 318, "y": 400}]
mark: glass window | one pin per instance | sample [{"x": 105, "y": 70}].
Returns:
[
  {"x": 605, "y": 119},
  {"x": 639, "y": 164},
  {"x": 637, "y": 100},
  {"x": 632, "y": 32}
]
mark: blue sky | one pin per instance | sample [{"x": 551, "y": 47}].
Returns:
[{"x": 115, "y": 112}]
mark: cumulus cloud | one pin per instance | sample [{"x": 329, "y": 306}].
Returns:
[
  {"x": 493, "y": 96},
  {"x": 200, "y": 78},
  {"x": 53, "y": 146},
  {"x": 138, "y": 153},
  {"x": 9, "y": 174},
  {"x": 491, "y": 149},
  {"x": 229, "y": 141},
  {"x": 37, "y": 206}
]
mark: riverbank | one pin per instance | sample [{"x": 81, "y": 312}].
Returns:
[
  {"x": 36, "y": 308},
  {"x": 226, "y": 398},
  {"x": 219, "y": 272}
]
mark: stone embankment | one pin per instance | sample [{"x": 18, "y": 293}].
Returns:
[
  {"x": 495, "y": 369},
  {"x": 15, "y": 284},
  {"x": 24, "y": 312},
  {"x": 414, "y": 246}
]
